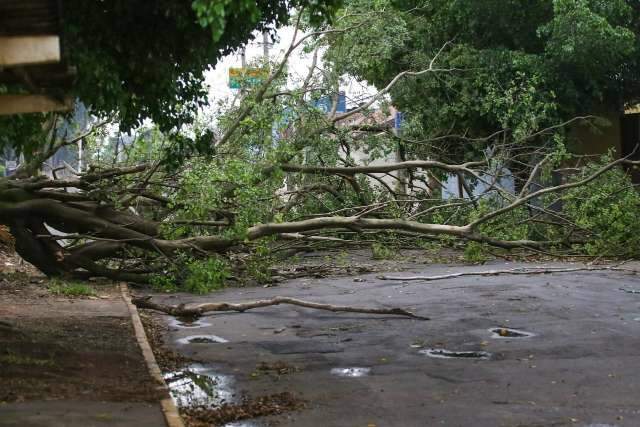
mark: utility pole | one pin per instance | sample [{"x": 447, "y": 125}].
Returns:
[{"x": 266, "y": 44}]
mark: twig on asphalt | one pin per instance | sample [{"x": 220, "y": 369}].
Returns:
[{"x": 514, "y": 271}]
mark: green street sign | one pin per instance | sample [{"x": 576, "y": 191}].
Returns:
[{"x": 243, "y": 77}]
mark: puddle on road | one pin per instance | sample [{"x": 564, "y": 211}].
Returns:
[
  {"x": 199, "y": 385},
  {"x": 441, "y": 353},
  {"x": 202, "y": 339},
  {"x": 351, "y": 372},
  {"x": 501, "y": 333},
  {"x": 187, "y": 322}
]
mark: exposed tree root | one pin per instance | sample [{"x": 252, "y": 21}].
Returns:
[
  {"x": 200, "y": 309},
  {"x": 514, "y": 271}
]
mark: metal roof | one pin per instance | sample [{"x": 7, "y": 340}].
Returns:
[{"x": 29, "y": 17}]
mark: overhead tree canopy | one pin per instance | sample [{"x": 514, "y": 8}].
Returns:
[
  {"x": 146, "y": 59},
  {"x": 521, "y": 65}
]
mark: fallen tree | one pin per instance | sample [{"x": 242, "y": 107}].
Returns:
[
  {"x": 100, "y": 230},
  {"x": 147, "y": 216}
]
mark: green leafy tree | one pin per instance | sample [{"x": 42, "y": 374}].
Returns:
[
  {"x": 517, "y": 65},
  {"x": 146, "y": 59}
]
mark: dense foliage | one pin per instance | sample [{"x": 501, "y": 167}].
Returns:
[
  {"x": 146, "y": 59},
  {"x": 607, "y": 210},
  {"x": 518, "y": 65},
  {"x": 271, "y": 172}
]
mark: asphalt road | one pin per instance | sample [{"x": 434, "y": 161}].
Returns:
[{"x": 580, "y": 368}]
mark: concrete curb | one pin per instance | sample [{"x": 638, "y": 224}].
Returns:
[{"x": 169, "y": 409}]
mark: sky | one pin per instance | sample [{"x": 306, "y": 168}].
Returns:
[{"x": 218, "y": 80}]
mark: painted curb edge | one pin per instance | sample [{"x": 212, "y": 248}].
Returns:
[{"x": 169, "y": 409}]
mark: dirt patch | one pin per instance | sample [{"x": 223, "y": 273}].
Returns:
[
  {"x": 10, "y": 262},
  {"x": 57, "y": 347},
  {"x": 80, "y": 358},
  {"x": 6, "y": 239},
  {"x": 23, "y": 287},
  {"x": 273, "y": 404}
]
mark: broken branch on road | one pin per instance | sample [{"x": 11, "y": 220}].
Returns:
[
  {"x": 514, "y": 271},
  {"x": 200, "y": 309}
]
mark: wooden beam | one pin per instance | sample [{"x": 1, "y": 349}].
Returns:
[
  {"x": 18, "y": 104},
  {"x": 26, "y": 50},
  {"x": 633, "y": 110}
]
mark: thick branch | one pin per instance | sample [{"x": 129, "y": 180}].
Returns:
[
  {"x": 200, "y": 309},
  {"x": 385, "y": 168},
  {"x": 351, "y": 222},
  {"x": 83, "y": 182},
  {"x": 73, "y": 220},
  {"x": 357, "y": 223}
]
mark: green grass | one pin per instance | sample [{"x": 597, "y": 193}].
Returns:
[
  {"x": 70, "y": 289},
  {"x": 475, "y": 253}
]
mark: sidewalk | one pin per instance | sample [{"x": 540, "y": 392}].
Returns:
[{"x": 71, "y": 361}]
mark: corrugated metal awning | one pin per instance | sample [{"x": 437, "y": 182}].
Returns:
[
  {"x": 29, "y": 17},
  {"x": 30, "y": 57}
]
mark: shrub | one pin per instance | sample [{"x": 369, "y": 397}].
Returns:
[
  {"x": 382, "y": 251},
  {"x": 607, "y": 208},
  {"x": 206, "y": 275},
  {"x": 475, "y": 253},
  {"x": 164, "y": 282},
  {"x": 193, "y": 275},
  {"x": 259, "y": 264}
]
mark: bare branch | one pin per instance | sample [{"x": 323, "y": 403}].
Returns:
[
  {"x": 522, "y": 200},
  {"x": 200, "y": 309},
  {"x": 392, "y": 83},
  {"x": 384, "y": 168},
  {"x": 514, "y": 271}
]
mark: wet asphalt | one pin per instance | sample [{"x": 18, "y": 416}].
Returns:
[{"x": 578, "y": 366}]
